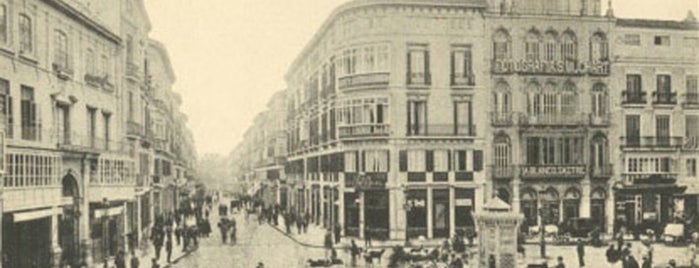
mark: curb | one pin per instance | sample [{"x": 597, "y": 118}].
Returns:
[{"x": 296, "y": 240}]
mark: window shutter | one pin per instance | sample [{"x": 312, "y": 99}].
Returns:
[
  {"x": 427, "y": 68},
  {"x": 403, "y": 161},
  {"x": 477, "y": 160},
  {"x": 388, "y": 161},
  {"x": 453, "y": 69},
  {"x": 429, "y": 161},
  {"x": 363, "y": 166},
  {"x": 408, "y": 68},
  {"x": 467, "y": 63},
  {"x": 407, "y": 124},
  {"x": 357, "y": 161},
  {"x": 449, "y": 161}
]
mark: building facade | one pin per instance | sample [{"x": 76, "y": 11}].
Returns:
[{"x": 72, "y": 186}]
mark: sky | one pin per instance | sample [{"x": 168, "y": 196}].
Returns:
[{"x": 230, "y": 56}]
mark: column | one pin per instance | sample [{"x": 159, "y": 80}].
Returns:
[
  {"x": 430, "y": 217},
  {"x": 516, "y": 202},
  {"x": 610, "y": 212},
  {"x": 585, "y": 198},
  {"x": 452, "y": 212},
  {"x": 84, "y": 218},
  {"x": 126, "y": 220},
  {"x": 399, "y": 214},
  {"x": 321, "y": 204},
  {"x": 361, "y": 214},
  {"x": 139, "y": 228},
  {"x": 341, "y": 202},
  {"x": 55, "y": 247}
]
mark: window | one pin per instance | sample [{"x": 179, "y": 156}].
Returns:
[
  {"x": 501, "y": 100},
  {"x": 599, "y": 48},
  {"x": 3, "y": 23},
  {"x": 416, "y": 161},
  {"x": 692, "y": 131},
  {"x": 92, "y": 126},
  {"x": 551, "y": 47},
  {"x": 531, "y": 46},
  {"x": 633, "y": 130},
  {"x": 63, "y": 123},
  {"x": 554, "y": 150},
  {"x": 501, "y": 46},
  {"x": 441, "y": 160},
  {"x": 463, "y": 118},
  {"x": 6, "y": 107},
  {"x": 31, "y": 128},
  {"x": 664, "y": 83},
  {"x": 90, "y": 67},
  {"x": 26, "y": 35},
  {"x": 661, "y": 40},
  {"x": 417, "y": 117},
  {"x": 662, "y": 129},
  {"x": 569, "y": 99},
  {"x": 692, "y": 95},
  {"x": 632, "y": 39},
  {"x": 501, "y": 152},
  {"x": 61, "y": 53},
  {"x": 372, "y": 58},
  {"x": 692, "y": 167},
  {"x": 461, "y": 67},
  {"x": 633, "y": 83},
  {"x": 106, "y": 118},
  {"x": 569, "y": 47},
  {"x": 598, "y": 152},
  {"x": 462, "y": 161},
  {"x": 129, "y": 49},
  {"x": 599, "y": 100},
  {"x": 418, "y": 65}
]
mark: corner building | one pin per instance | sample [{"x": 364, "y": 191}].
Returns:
[
  {"x": 382, "y": 118},
  {"x": 550, "y": 76}
]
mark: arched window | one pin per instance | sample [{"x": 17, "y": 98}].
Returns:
[
  {"x": 569, "y": 98},
  {"x": 501, "y": 150},
  {"x": 534, "y": 106},
  {"x": 90, "y": 67},
  {"x": 549, "y": 98},
  {"x": 501, "y": 98},
  {"x": 60, "y": 50},
  {"x": 529, "y": 207},
  {"x": 551, "y": 46},
  {"x": 550, "y": 201},
  {"x": 531, "y": 45},
  {"x": 599, "y": 155},
  {"x": 3, "y": 23},
  {"x": 599, "y": 51},
  {"x": 599, "y": 100},
  {"x": 597, "y": 207},
  {"x": 502, "y": 45},
  {"x": 571, "y": 204},
  {"x": 26, "y": 34},
  {"x": 569, "y": 47}
]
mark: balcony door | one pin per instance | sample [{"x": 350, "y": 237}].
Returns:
[
  {"x": 63, "y": 124},
  {"x": 662, "y": 129},
  {"x": 633, "y": 130},
  {"x": 598, "y": 153},
  {"x": 462, "y": 117},
  {"x": 417, "y": 117}
]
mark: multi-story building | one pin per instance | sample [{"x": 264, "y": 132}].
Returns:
[
  {"x": 656, "y": 120},
  {"x": 381, "y": 118},
  {"x": 71, "y": 188},
  {"x": 549, "y": 108}
]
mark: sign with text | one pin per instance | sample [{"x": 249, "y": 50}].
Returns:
[
  {"x": 464, "y": 202},
  {"x": 369, "y": 181},
  {"x": 553, "y": 171},
  {"x": 550, "y": 67}
]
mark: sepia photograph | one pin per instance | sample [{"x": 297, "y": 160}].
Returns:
[{"x": 349, "y": 133}]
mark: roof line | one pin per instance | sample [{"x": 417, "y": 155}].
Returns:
[{"x": 84, "y": 19}]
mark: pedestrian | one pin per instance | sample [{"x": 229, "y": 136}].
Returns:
[
  {"x": 692, "y": 254},
  {"x": 154, "y": 263},
  {"x": 328, "y": 244},
  {"x": 646, "y": 263},
  {"x": 233, "y": 228},
  {"x": 223, "y": 227},
  {"x": 560, "y": 263},
  {"x": 119, "y": 260},
  {"x": 168, "y": 249},
  {"x": 631, "y": 262},
  {"x": 672, "y": 264},
  {"x": 354, "y": 252},
  {"x": 306, "y": 221},
  {"x": 612, "y": 256},
  {"x": 299, "y": 224},
  {"x": 625, "y": 254},
  {"x": 338, "y": 232},
  {"x": 134, "y": 260},
  {"x": 287, "y": 223},
  {"x": 157, "y": 238},
  {"x": 581, "y": 253},
  {"x": 178, "y": 233},
  {"x": 620, "y": 240},
  {"x": 648, "y": 251},
  {"x": 367, "y": 240}
]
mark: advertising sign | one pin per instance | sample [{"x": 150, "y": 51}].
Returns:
[{"x": 550, "y": 67}]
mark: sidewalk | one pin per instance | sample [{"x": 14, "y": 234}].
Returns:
[{"x": 146, "y": 254}]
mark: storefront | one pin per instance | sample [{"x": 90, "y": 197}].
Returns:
[
  {"x": 416, "y": 209},
  {"x": 351, "y": 201},
  {"x": 440, "y": 213},
  {"x": 464, "y": 208},
  {"x": 107, "y": 226},
  {"x": 645, "y": 204},
  {"x": 376, "y": 213},
  {"x": 26, "y": 239}
]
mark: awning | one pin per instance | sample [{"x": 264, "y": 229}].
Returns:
[
  {"x": 692, "y": 189},
  {"x": 36, "y": 214}
]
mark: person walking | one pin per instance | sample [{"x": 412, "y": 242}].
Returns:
[
  {"x": 157, "y": 239},
  {"x": 612, "y": 256},
  {"x": 168, "y": 249},
  {"x": 120, "y": 260},
  {"x": 306, "y": 221},
  {"x": 631, "y": 262},
  {"x": 338, "y": 232},
  {"x": 223, "y": 227},
  {"x": 328, "y": 244},
  {"x": 299, "y": 223},
  {"x": 354, "y": 252},
  {"x": 560, "y": 263},
  {"x": 154, "y": 263},
  {"x": 646, "y": 263},
  {"x": 233, "y": 228},
  {"x": 134, "y": 260},
  {"x": 178, "y": 232},
  {"x": 581, "y": 252}
]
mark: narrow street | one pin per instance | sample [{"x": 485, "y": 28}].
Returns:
[{"x": 256, "y": 243}]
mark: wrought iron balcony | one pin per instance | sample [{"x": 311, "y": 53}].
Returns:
[
  {"x": 603, "y": 171},
  {"x": 630, "y": 142},
  {"x": 690, "y": 100},
  {"x": 553, "y": 119},
  {"x": 503, "y": 172},
  {"x": 446, "y": 130},
  {"x": 668, "y": 98},
  {"x": 368, "y": 80},
  {"x": 633, "y": 97},
  {"x": 368, "y": 130},
  {"x": 459, "y": 81},
  {"x": 502, "y": 119},
  {"x": 418, "y": 79}
]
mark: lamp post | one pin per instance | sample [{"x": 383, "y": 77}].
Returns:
[{"x": 543, "y": 214}]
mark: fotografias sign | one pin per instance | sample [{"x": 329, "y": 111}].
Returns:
[{"x": 558, "y": 67}]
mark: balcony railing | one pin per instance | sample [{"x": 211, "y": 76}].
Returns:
[
  {"x": 461, "y": 80},
  {"x": 503, "y": 172},
  {"x": 446, "y": 130},
  {"x": 31, "y": 133},
  {"x": 669, "y": 176},
  {"x": 364, "y": 80},
  {"x": 690, "y": 100},
  {"x": 600, "y": 119},
  {"x": 552, "y": 119},
  {"x": 502, "y": 118},
  {"x": 77, "y": 141},
  {"x": 370, "y": 130},
  {"x": 602, "y": 171},
  {"x": 134, "y": 128},
  {"x": 419, "y": 79},
  {"x": 652, "y": 142},
  {"x": 633, "y": 97},
  {"x": 665, "y": 97}
]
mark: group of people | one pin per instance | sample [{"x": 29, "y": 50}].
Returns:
[{"x": 226, "y": 225}]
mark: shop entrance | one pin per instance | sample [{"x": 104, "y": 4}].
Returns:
[
  {"x": 69, "y": 222},
  {"x": 416, "y": 213},
  {"x": 26, "y": 243},
  {"x": 351, "y": 214},
  {"x": 440, "y": 212},
  {"x": 376, "y": 214}
]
